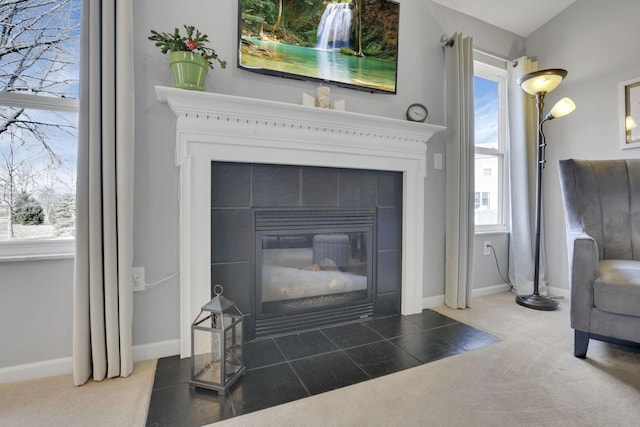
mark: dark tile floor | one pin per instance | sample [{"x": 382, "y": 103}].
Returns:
[{"x": 292, "y": 367}]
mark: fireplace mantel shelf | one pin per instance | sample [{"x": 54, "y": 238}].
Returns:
[
  {"x": 271, "y": 114},
  {"x": 214, "y": 127}
]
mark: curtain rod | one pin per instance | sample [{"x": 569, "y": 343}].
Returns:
[{"x": 448, "y": 42}]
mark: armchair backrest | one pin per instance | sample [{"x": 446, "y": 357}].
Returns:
[{"x": 602, "y": 198}]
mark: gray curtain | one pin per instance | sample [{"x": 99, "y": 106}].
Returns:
[
  {"x": 460, "y": 152},
  {"x": 103, "y": 296},
  {"x": 523, "y": 152}
]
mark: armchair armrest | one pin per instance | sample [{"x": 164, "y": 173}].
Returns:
[{"x": 583, "y": 271}]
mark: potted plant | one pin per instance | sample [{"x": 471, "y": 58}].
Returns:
[{"x": 189, "y": 58}]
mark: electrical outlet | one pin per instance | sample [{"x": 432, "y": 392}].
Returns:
[
  {"x": 437, "y": 160},
  {"x": 487, "y": 247},
  {"x": 138, "y": 279}
]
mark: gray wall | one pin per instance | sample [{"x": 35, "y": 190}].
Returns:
[
  {"x": 597, "y": 42},
  {"x": 421, "y": 74},
  {"x": 36, "y": 299}
]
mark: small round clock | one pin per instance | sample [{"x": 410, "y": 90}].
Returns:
[{"x": 417, "y": 113}]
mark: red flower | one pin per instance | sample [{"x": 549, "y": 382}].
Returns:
[{"x": 191, "y": 44}]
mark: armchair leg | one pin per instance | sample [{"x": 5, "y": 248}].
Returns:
[{"x": 580, "y": 344}]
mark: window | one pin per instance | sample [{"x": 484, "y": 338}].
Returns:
[
  {"x": 39, "y": 85},
  {"x": 490, "y": 94}
]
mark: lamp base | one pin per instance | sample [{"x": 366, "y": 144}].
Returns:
[{"x": 537, "y": 302}]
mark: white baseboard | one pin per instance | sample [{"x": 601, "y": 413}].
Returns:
[
  {"x": 431, "y": 302},
  {"x": 490, "y": 290},
  {"x": 156, "y": 350},
  {"x": 63, "y": 366},
  {"x": 30, "y": 371}
]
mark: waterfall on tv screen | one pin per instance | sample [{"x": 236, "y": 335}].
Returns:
[{"x": 333, "y": 31}]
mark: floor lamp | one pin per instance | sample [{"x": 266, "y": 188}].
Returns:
[{"x": 539, "y": 83}]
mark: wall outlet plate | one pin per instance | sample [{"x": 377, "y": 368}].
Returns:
[
  {"x": 487, "y": 247},
  {"x": 138, "y": 279}
]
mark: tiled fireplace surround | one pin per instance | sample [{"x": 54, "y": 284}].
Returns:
[
  {"x": 222, "y": 128},
  {"x": 294, "y": 201}
]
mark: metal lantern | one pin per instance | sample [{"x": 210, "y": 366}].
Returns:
[{"x": 216, "y": 344}]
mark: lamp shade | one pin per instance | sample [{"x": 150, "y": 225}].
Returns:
[
  {"x": 542, "y": 81},
  {"x": 629, "y": 123},
  {"x": 561, "y": 108}
]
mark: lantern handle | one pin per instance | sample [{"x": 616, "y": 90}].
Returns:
[{"x": 215, "y": 289}]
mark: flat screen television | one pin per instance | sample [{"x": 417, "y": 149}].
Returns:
[{"x": 350, "y": 43}]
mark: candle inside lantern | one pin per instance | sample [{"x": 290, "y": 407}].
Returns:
[{"x": 323, "y": 97}]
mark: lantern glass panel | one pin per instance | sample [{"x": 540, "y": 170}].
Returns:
[
  {"x": 233, "y": 344},
  {"x": 208, "y": 352}
]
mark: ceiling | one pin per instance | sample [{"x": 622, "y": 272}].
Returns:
[{"x": 521, "y": 17}]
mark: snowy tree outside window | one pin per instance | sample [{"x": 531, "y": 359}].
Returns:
[{"x": 39, "y": 85}]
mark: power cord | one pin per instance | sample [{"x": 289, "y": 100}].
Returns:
[
  {"x": 149, "y": 286},
  {"x": 495, "y": 257},
  {"x": 511, "y": 287}
]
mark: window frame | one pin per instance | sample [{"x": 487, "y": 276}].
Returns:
[
  {"x": 36, "y": 249},
  {"x": 501, "y": 76}
]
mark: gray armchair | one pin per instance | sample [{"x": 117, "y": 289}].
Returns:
[{"x": 602, "y": 210}]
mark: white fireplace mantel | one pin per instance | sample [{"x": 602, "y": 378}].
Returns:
[{"x": 214, "y": 127}]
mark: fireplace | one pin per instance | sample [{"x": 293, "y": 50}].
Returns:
[
  {"x": 297, "y": 247},
  {"x": 214, "y": 127}
]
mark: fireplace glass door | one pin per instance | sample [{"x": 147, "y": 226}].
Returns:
[
  {"x": 309, "y": 271},
  {"x": 313, "y": 268}
]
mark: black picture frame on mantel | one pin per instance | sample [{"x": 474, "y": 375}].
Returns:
[{"x": 352, "y": 44}]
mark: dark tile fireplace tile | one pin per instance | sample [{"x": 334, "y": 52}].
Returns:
[
  {"x": 319, "y": 187},
  {"x": 231, "y": 185},
  {"x": 389, "y": 222},
  {"x": 265, "y": 387},
  {"x": 296, "y": 346},
  {"x": 393, "y": 326},
  {"x": 388, "y": 183},
  {"x": 231, "y": 238},
  {"x": 387, "y": 304},
  {"x": 291, "y": 367},
  {"x": 465, "y": 336},
  {"x": 351, "y": 335},
  {"x": 275, "y": 185},
  {"x": 426, "y": 346},
  {"x": 229, "y": 274},
  {"x": 357, "y": 188},
  {"x": 430, "y": 319},
  {"x": 328, "y": 372},
  {"x": 389, "y": 263},
  {"x": 381, "y": 358},
  {"x": 262, "y": 353}
]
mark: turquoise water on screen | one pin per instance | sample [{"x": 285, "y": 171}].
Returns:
[{"x": 325, "y": 65}]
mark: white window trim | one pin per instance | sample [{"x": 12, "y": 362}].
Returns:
[
  {"x": 492, "y": 72},
  {"x": 45, "y": 249},
  {"x": 32, "y": 250}
]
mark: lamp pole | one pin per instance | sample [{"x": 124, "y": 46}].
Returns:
[
  {"x": 540, "y": 303},
  {"x": 535, "y": 300}
]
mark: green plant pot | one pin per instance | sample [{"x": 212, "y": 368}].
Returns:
[{"x": 189, "y": 70}]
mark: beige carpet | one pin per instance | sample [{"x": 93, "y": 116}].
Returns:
[
  {"x": 55, "y": 401},
  {"x": 529, "y": 378}
]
